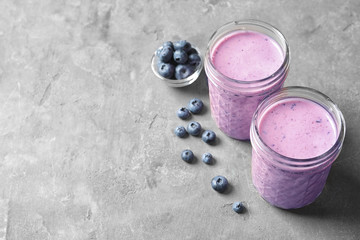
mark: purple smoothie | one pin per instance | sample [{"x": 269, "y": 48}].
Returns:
[
  {"x": 242, "y": 60},
  {"x": 247, "y": 56},
  {"x": 300, "y": 129}
]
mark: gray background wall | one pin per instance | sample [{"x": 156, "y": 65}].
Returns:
[{"x": 86, "y": 130}]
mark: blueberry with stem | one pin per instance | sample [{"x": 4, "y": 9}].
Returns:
[
  {"x": 183, "y": 113},
  {"x": 208, "y": 136},
  {"x": 195, "y": 105},
  {"x": 180, "y": 131},
  {"x": 238, "y": 207},
  {"x": 180, "y": 56},
  {"x": 194, "y": 128},
  {"x": 183, "y": 71},
  {"x": 219, "y": 183},
  {"x": 187, "y": 155},
  {"x": 166, "y": 70},
  {"x": 207, "y": 158},
  {"x": 166, "y": 54},
  {"x": 183, "y": 45}
]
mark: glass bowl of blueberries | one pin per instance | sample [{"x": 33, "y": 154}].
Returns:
[{"x": 178, "y": 63}]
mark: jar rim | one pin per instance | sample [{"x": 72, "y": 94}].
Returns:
[
  {"x": 252, "y": 22},
  {"x": 305, "y": 93}
]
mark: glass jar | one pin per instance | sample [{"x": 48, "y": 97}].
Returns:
[
  {"x": 288, "y": 182},
  {"x": 233, "y": 101}
]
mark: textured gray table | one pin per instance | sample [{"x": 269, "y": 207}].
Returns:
[{"x": 87, "y": 148}]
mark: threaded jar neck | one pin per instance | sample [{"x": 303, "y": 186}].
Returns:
[
  {"x": 298, "y": 164},
  {"x": 252, "y": 86}
]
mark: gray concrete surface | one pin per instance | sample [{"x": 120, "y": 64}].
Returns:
[{"x": 87, "y": 148}]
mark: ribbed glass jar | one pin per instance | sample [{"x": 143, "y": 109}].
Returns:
[
  {"x": 292, "y": 182},
  {"x": 233, "y": 101}
]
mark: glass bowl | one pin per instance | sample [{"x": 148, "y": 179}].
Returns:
[{"x": 178, "y": 82}]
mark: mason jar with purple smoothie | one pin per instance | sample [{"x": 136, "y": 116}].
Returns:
[
  {"x": 245, "y": 62},
  {"x": 296, "y": 134}
]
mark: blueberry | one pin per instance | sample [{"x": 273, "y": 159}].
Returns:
[
  {"x": 158, "y": 51},
  {"x": 187, "y": 156},
  {"x": 168, "y": 44},
  {"x": 192, "y": 51},
  {"x": 194, "y": 59},
  {"x": 182, "y": 44},
  {"x": 194, "y": 128},
  {"x": 166, "y": 54},
  {"x": 219, "y": 184},
  {"x": 158, "y": 64},
  {"x": 195, "y": 105},
  {"x": 183, "y": 71},
  {"x": 183, "y": 113},
  {"x": 238, "y": 207},
  {"x": 180, "y": 56},
  {"x": 207, "y": 158},
  {"x": 180, "y": 131},
  {"x": 208, "y": 136},
  {"x": 166, "y": 70}
]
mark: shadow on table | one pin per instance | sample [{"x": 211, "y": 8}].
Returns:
[
  {"x": 341, "y": 195},
  {"x": 199, "y": 87}
]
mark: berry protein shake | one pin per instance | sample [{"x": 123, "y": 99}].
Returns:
[
  {"x": 247, "y": 56},
  {"x": 298, "y": 128},
  {"x": 243, "y": 67},
  {"x": 297, "y": 133}
]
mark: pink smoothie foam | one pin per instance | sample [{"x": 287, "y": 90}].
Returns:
[
  {"x": 296, "y": 128},
  {"x": 246, "y": 56}
]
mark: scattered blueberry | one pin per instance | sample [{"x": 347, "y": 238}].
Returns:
[
  {"x": 194, "y": 59},
  {"x": 183, "y": 71},
  {"x": 166, "y": 70},
  {"x": 182, "y": 44},
  {"x": 194, "y": 128},
  {"x": 208, "y": 136},
  {"x": 195, "y": 105},
  {"x": 219, "y": 184},
  {"x": 166, "y": 54},
  {"x": 207, "y": 158},
  {"x": 180, "y": 56},
  {"x": 238, "y": 207},
  {"x": 180, "y": 131},
  {"x": 183, "y": 113},
  {"x": 187, "y": 156},
  {"x": 168, "y": 44}
]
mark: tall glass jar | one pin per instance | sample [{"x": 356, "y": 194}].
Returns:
[
  {"x": 293, "y": 182},
  {"x": 234, "y": 101}
]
